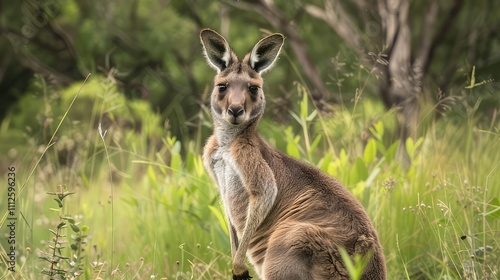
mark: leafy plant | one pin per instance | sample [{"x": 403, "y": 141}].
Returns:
[
  {"x": 159, "y": 215},
  {"x": 62, "y": 266},
  {"x": 356, "y": 265}
]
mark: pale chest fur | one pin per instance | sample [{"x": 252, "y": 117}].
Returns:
[{"x": 232, "y": 191}]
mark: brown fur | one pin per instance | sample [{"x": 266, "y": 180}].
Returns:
[{"x": 288, "y": 217}]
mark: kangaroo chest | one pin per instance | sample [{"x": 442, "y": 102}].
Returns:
[{"x": 233, "y": 193}]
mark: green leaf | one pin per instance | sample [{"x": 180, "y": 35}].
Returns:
[
  {"x": 220, "y": 218},
  {"x": 360, "y": 171},
  {"x": 354, "y": 267},
  {"x": 472, "y": 78},
  {"x": 304, "y": 106},
  {"x": 73, "y": 247},
  {"x": 419, "y": 142},
  {"x": 348, "y": 263},
  {"x": 69, "y": 219},
  {"x": 411, "y": 147},
  {"x": 176, "y": 162},
  {"x": 343, "y": 157},
  {"x": 176, "y": 159},
  {"x": 296, "y": 117},
  {"x": 198, "y": 165},
  {"x": 370, "y": 151},
  {"x": 378, "y": 130},
  {"x": 130, "y": 201},
  {"x": 325, "y": 162},
  {"x": 59, "y": 202},
  {"x": 372, "y": 176},
  {"x": 292, "y": 150},
  {"x": 381, "y": 148},
  {"x": 391, "y": 152},
  {"x": 312, "y": 116},
  {"x": 85, "y": 228},
  {"x": 62, "y": 196},
  {"x": 171, "y": 141},
  {"x": 74, "y": 227},
  {"x": 493, "y": 209},
  {"x": 315, "y": 142}
]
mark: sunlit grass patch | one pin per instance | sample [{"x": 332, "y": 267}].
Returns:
[{"x": 153, "y": 213}]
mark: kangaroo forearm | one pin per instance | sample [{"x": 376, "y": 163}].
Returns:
[
  {"x": 260, "y": 184},
  {"x": 258, "y": 210},
  {"x": 208, "y": 150},
  {"x": 233, "y": 239}
]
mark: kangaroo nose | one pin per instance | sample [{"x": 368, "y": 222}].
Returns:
[{"x": 235, "y": 112}]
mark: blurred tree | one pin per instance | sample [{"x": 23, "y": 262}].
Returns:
[
  {"x": 146, "y": 46},
  {"x": 151, "y": 49},
  {"x": 24, "y": 25},
  {"x": 415, "y": 47},
  {"x": 277, "y": 19}
]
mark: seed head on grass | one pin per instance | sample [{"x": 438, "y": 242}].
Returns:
[{"x": 390, "y": 184}]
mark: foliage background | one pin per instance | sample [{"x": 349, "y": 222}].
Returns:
[{"x": 139, "y": 183}]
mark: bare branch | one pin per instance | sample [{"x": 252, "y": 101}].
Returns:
[
  {"x": 268, "y": 10},
  {"x": 30, "y": 61},
  {"x": 398, "y": 23},
  {"x": 447, "y": 24},
  {"x": 422, "y": 58},
  {"x": 64, "y": 36},
  {"x": 343, "y": 26}
]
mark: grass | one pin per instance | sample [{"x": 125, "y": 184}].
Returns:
[{"x": 151, "y": 212}]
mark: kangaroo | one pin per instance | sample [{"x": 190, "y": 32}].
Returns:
[{"x": 288, "y": 217}]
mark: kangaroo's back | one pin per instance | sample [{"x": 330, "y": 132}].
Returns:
[
  {"x": 288, "y": 217},
  {"x": 314, "y": 210}
]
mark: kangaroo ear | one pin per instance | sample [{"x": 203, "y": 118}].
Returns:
[
  {"x": 265, "y": 52},
  {"x": 216, "y": 49}
]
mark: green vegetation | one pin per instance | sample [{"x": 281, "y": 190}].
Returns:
[
  {"x": 59, "y": 265},
  {"x": 142, "y": 205},
  {"x": 127, "y": 142}
]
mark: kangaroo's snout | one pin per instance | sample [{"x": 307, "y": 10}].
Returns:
[
  {"x": 235, "y": 111},
  {"x": 236, "y": 102}
]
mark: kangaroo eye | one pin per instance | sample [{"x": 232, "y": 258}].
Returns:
[
  {"x": 253, "y": 89},
  {"x": 222, "y": 87}
]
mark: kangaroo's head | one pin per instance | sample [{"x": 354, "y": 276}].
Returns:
[{"x": 237, "y": 97}]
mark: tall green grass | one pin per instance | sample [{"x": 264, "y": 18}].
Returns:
[{"x": 152, "y": 212}]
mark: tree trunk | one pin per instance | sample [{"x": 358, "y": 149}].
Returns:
[
  {"x": 401, "y": 75},
  {"x": 268, "y": 10},
  {"x": 400, "y": 88}
]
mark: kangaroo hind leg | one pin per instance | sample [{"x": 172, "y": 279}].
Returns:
[
  {"x": 303, "y": 251},
  {"x": 285, "y": 262}
]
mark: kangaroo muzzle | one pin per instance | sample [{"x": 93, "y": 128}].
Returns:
[{"x": 235, "y": 113}]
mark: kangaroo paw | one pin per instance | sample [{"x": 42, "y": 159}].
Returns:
[{"x": 243, "y": 276}]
